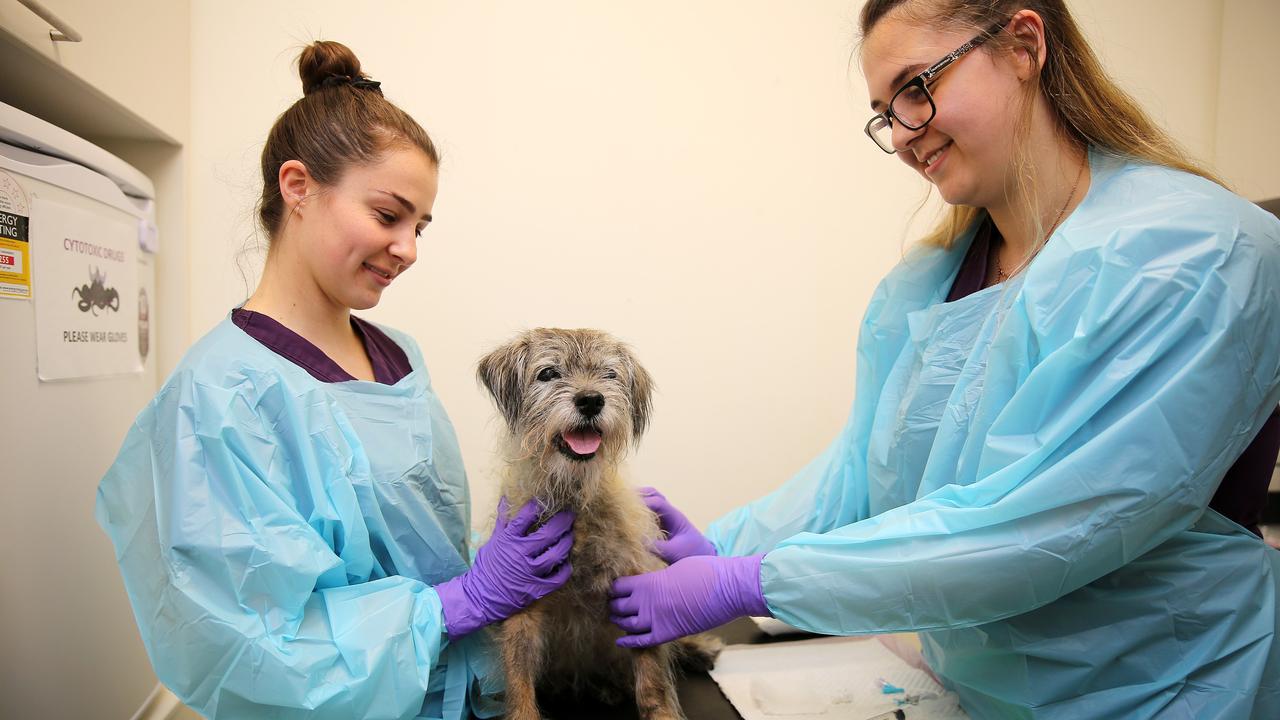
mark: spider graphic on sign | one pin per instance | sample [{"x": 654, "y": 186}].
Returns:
[{"x": 96, "y": 295}]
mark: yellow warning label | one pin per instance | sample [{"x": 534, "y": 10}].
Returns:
[{"x": 15, "y": 268}]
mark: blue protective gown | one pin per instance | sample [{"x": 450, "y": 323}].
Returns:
[
  {"x": 279, "y": 537},
  {"x": 1025, "y": 474}
]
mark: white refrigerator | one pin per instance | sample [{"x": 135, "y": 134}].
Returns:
[{"x": 77, "y": 362}]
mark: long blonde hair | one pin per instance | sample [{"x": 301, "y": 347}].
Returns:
[{"x": 1088, "y": 106}]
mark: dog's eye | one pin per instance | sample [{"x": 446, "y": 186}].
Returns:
[
  {"x": 610, "y": 375},
  {"x": 547, "y": 374}
]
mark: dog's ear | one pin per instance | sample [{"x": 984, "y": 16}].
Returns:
[
  {"x": 641, "y": 396},
  {"x": 502, "y": 374}
]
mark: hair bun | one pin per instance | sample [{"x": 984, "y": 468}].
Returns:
[{"x": 323, "y": 59}]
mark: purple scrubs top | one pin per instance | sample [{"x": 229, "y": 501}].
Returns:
[
  {"x": 1242, "y": 496},
  {"x": 389, "y": 361}
]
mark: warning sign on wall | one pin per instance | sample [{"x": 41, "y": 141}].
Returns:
[{"x": 87, "y": 307}]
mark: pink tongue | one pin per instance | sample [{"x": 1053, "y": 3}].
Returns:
[{"x": 583, "y": 442}]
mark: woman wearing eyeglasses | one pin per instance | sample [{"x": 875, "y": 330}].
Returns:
[{"x": 1064, "y": 420}]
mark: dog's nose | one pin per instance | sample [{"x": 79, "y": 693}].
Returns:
[{"x": 589, "y": 403}]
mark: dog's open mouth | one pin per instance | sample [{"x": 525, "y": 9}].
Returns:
[{"x": 579, "y": 444}]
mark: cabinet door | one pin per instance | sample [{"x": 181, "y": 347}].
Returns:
[
  {"x": 23, "y": 24},
  {"x": 137, "y": 52}
]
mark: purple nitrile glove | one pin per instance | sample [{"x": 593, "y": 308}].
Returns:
[
  {"x": 683, "y": 538},
  {"x": 696, "y": 594},
  {"x": 512, "y": 570}
]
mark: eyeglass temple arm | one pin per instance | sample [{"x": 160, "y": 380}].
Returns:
[{"x": 929, "y": 74}]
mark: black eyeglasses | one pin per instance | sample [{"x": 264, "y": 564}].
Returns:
[{"x": 912, "y": 105}]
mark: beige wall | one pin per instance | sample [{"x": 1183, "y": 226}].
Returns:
[
  {"x": 691, "y": 176},
  {"x": 1166, "y": 53},
  {"x": 1248, "y": 109}
]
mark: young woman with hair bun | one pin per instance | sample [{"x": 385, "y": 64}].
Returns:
[
  {"x": 290, "y": 513},
  {"x": 1065, "y": 413}
]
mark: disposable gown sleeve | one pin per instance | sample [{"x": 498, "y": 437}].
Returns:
[
  {"x": 248, "y": 566},
  {"x": 1138, "y": 393}
]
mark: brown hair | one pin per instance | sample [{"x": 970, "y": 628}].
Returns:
[
  {"x": 1090, "y": 109},
  {"x": 341, "y": 119}
]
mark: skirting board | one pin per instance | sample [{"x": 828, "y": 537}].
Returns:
[{"x": 159, "y": 705}]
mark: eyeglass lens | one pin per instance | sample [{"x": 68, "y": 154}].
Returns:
[{"x": 912, "y": 106}]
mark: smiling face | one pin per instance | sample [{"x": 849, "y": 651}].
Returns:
[
  {"x": 355, "y": 237},
  {"x": 967, "y": 150}
]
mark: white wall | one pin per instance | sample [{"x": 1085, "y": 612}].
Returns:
[{"x": 691, "y": 176}]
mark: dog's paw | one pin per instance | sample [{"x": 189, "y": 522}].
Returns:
[{"x": 698, "y": 653}]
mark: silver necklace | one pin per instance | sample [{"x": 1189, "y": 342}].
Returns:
[{"x": 1001, "y": 275}]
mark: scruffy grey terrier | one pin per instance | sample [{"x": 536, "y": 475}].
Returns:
[{"x": 575, "y": 401}]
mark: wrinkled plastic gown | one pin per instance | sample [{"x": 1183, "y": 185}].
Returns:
[
  {"x": 278, "y": 537},
  {"x": 1025, "y": 473}
]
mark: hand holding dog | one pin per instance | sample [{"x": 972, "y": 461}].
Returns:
[
  {"x": 683, "y": 539},
  {"x": 695, "y": 594},
  {"x": 513, "y": 569}
]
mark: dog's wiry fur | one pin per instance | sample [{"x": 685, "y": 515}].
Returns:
[{"x": 545, "y": 384}]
